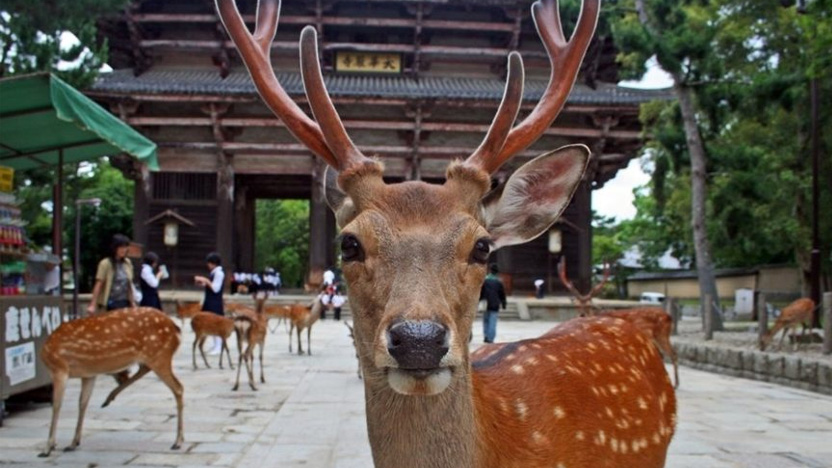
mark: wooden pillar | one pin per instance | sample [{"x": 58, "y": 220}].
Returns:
[
  {"x": 319, "y": 238},
  {"x": 244, "y": 223},
  {"x": 583, "y": 221},
  {"x": 141, "y": 205}
]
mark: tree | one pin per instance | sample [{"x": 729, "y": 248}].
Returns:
[
  {"x": 282, "y": 238},
  {"x": 678, "y": 34}
]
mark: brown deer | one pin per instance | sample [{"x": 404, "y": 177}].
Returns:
[
  {"x": 583, "y": 301},
  {"x": 250, "y": 328},
  {"x": 415, "y": 256},
  {"x": 792, "y": 316},
  {"x": 281, "y": 312},
  {"x": 109, "y": 343},
  {"x": 653, "y": 321},
  {"x": 302, "y": 317},
  {"x": 187, "y": 310},
  {"x": 205, "y": 324}
]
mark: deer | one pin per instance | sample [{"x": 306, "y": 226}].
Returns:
[
  {"x": 415, "y": 255},
  {"x": 281, "y": 312},
  {"x": 652, "y": 321},
  {"x": 793, "y": 315},
  {"x": 187, "y": 310},
  {"x": 106, "y": 344},
  {"x": 205, "y": 324},
  {"x": 302, "y": 317},
  {"x": 250, "y": 328}
]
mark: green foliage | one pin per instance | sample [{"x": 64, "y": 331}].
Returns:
[
  {"x": 30, "y": 37},
  {"x": 282, "y": 238},
  {"x": 749, "y": 62}
]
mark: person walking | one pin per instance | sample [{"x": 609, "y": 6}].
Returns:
[
  {"x": 495, "y": 296},
  {"x": 213, "y": 284},
  {"x": 113, "y": 287},
  {"x": 149, "y": 280}
]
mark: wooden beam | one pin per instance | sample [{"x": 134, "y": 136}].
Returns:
[{"x": 376, "y": 125}]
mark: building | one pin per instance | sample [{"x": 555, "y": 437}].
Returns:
[{"x": 416, "y": 83}]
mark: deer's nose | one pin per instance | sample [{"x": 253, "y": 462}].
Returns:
[{"x": 417, "y": 344}]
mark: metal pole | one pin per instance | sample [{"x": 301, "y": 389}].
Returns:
[
  {"x": 76, "y": 261},
  {"x": 827, "y": 323},
  {"x": 815, "y": 254}
]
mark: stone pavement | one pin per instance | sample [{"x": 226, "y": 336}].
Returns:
[{"x": 310, "y": 413}]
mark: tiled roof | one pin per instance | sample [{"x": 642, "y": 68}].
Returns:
[{"x": 371, "y": 86}]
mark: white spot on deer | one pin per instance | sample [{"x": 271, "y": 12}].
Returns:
[
  {"x": 517, "y": 369},
  {"x": 580, "y": 435},
  {"x": 624, "y": 448},
  {"x": 559, "y": 412},
  {"x": 601, "y": 438},
  {"x": 552, "y": 358},
  {"x": 521, "y": 409},
  {"x": 609, "y": 412},
  {"x": 560, "y": 465},
  {"x": 614, "y": 444},
  {"x": 539, "y": 438},
  {"x": 613, "y": 389},
  {"x": 635, "y": 446},
  {"x": 656, "y": 439},
  {"x": 531, "y": 361},
  {"x": 510, "y": 357}
]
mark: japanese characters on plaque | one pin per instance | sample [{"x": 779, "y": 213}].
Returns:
[
  {"x": 368, "y": 62},
  {"x": 24, "y": 324}
]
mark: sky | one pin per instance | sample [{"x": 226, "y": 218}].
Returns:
[{"x": 616, "y": 197}]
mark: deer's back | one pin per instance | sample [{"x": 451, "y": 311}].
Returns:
[
  {"x": 110, "y": 341},
  {"x": 592, "y": 392}
]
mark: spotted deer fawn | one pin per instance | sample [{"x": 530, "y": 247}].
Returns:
[
  {"x": 205, "y": 324},
  {"x": 792, "y": 316},
  {"x": 652, "y": 321},
  {"x": 415, "y": 256},
  {"x": 109, "y": 343},
  {"x": 250, "y": 329}
]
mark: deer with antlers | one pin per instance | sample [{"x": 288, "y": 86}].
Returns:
[
  {"x": 652, "y": 321},
  {"x": 792, "y": 316},
  {"x": 415, "y": 255},
  {"x": 107, "y": 344}
]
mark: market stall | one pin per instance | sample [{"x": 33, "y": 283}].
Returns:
[{"x": 43, "y": 122}]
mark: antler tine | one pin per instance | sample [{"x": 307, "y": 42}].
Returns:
[
  {"x": 486, "y": 154},
  {"x": 255, "y": 51},
  {"x": 565, "y": 61},
  {"x": 566, "y": 282},
  {"x": 335, "y": 135},
  {"x": 600, "y": 285}
]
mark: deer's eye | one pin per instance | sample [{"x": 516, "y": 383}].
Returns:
[
  {"x": 351, "y": 250},
  {"x": 481, "y": 250}
]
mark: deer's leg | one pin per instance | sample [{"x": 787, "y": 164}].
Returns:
[
  {"x": 782, "y": 337},
  {"x": 250, "y": 365},
  {"x": 58, "y": 388},
  {"x": 143, "y": 370},
  {"x": 300, "y": 343},
  {"x": 202, "y": 351},
  {"x": 87, "y": 384},
  {"x": 239, "y": 360},
  {"x": 291, "y": 330},
  {"x": 193, "y": 351},
  {"x": 164, "y": 370},
  {"x": 227, "y": 354},
  {"x": 309, "y": 340},
  {"x": 262, "y": 377}
]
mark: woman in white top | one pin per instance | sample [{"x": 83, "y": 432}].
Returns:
[{"x": 149, "y": 281}]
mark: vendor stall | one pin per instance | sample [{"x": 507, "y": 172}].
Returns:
[{"x": 44, "y": 122}]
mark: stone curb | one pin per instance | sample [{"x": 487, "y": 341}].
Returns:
[{"x": 793, "y": 371}]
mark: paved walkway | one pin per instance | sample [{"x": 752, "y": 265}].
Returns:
[{"x": 310, "y": 413}]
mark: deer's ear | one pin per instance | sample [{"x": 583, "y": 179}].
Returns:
[
  {"x": 535, "y": 196},
  {"x": 337, "y": 200}
]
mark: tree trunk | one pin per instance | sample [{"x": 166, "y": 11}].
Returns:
[{"x": 699, "y": 191}]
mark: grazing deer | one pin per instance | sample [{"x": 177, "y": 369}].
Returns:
[
  {"x": 205, "y": 324},
  {"x": 302, "y": 318},
  {"x": 280, "y": 312},
  {"x": 250, "y": 328},
  {"x": 583, "y": 301},
  {"x": 653, "y": 321},
  {"x": 352, "y": 337},
  {"x": 415, "y": 256},
  {"x": 793, "y": 315},
  {"x": 106, "y": 344}
]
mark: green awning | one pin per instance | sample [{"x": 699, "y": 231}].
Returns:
[{"x": 40, "y": 116}]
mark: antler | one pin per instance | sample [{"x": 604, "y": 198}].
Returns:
[
  {"x": 600, "y": 285},
  {"x": 565, "y": 60},
  {"x": 582, "y": 299},
  {"x": 330, "y": 141}
]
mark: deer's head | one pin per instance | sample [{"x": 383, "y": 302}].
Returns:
[{"x": 415, "y": 254}]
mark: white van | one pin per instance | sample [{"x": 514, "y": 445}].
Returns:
[{"x": 651, "y": 298}]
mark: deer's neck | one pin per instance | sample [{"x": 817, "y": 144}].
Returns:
[{"x": 424, "y": 432}]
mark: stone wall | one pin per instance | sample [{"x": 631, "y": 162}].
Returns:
[{"x": 804, "y": 372}]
